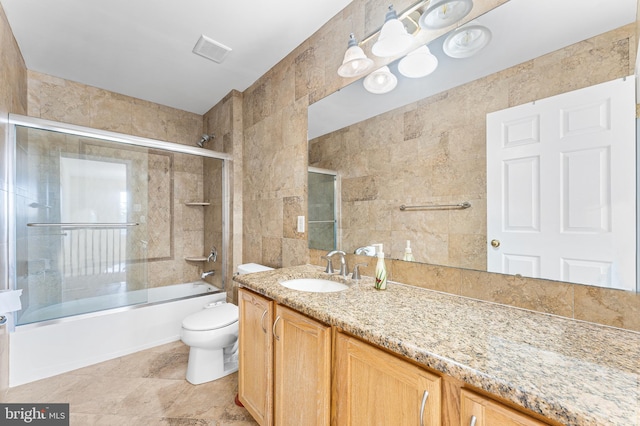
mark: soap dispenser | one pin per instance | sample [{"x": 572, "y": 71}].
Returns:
[
  {"x": 381, "y": 269},
  {"x": 408, "y": 255}
]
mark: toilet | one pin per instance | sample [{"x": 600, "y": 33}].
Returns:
[{"x": 212, "y": 337}]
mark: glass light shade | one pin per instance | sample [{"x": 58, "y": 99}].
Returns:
[
  {"x": 443, "y": 13},
  {"x": 394, "y": 38},
  {"x": 466, "y": 41},
  {"x": 380, "y": 81},
  {"x": 419, "y": 63},
  {"x": 355, "y": 61}
]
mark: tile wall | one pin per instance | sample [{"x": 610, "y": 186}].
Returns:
[
  {"x": 224, "y": 120},
  {"x": 13, "y": 98},
  {"x": 433, "y": 152},
  {"x": 275, "y": 129}
]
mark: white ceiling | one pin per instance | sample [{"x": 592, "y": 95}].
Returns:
[
  {"x": 143, "y": 48},
  {"x": 522, "y": 30}
]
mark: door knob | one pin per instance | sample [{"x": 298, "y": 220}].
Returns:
[{"x": 495, "y": 243}]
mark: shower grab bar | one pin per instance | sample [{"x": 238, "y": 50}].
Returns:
[
  {"x": 461, "y": 206},
  {"x": 83, "y": 225}
]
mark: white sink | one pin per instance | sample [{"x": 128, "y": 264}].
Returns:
[{"x": 314, "y": 285}]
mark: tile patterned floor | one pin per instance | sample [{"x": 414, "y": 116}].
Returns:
[{"x": 146, "y": 388}]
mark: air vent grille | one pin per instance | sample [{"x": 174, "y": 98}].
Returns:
[{"x": 211, "y": 49}]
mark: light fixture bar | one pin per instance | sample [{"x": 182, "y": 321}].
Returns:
[{"x": 402, "y": 16}]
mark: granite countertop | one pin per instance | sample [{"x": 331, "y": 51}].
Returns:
[{"x": 573, "y": 372}]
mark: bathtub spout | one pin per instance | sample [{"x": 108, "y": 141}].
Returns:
[{"x": 207, "y": 274}]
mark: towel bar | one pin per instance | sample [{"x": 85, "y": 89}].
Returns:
[{"x": 460, "y": 206}]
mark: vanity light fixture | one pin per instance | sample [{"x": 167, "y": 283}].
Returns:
[
  {"x": 355, "y": 61},
  {"x": 394, "y": 38},
  {"x": 444, "y": 13},
  {"x": 380, "y": 81},
  {"x": 467, "y": 40},
  {"x": 419, "y": 63}
]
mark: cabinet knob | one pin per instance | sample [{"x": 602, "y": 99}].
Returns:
[{"x": 495, "y": 243}]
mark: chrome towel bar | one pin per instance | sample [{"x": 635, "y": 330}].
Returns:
[
  {"x": 83, "y": 225},
  {"x": 460, "y": 206}
]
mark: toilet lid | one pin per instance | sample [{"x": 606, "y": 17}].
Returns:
[{"x": 211, "y": 318}]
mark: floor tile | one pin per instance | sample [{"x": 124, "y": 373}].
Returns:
[{"x": 144, "y": 388}]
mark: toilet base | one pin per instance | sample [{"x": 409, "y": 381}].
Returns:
[{"x": 206, "y": 365}]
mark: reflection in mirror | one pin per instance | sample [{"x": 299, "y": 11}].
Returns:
[
  {"x": 323, "y": 209},
  {"x": 429, "y": 148}
]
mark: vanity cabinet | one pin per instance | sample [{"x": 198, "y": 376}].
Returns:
[
  {"x": 291, "y": 373},
  {"x": 284, "y": 365},
  {"x": 302, "y": 385},
  {"x": 255, "y": 360},
  {"x": 373, "y": 387},
  {"x": 476, "y": 410}
]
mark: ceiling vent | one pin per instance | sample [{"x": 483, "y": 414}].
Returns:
[{"x": 211, "y": 49}]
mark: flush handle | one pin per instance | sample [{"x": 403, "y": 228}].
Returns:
[{"x": 495, "y": 243}]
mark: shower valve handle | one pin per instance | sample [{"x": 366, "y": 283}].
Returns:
[{"x": 213, "y": 255}]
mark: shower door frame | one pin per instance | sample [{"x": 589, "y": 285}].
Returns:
[
  {"x": 337, "y": 203},
  {"x": 121, "y": 138}
]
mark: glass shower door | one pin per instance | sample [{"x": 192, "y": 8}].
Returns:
[
  {"x": 81, "y": 224},
  {"x": 322, "y": 210}
]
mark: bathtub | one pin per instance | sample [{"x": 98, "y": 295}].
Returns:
[{"x": 41, "y": 350}]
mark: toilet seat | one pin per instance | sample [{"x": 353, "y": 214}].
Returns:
[{"x": 212, "y": 318}]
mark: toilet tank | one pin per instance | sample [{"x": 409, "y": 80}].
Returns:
[{"x": 249, "y": 268}]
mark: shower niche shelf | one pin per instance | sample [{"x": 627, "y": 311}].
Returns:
[
  {"x": 196, "y": 258},
  {"x": 197, "y": 203}
]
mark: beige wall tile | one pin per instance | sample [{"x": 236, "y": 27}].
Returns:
[
  {"x": 431, "y": 277},
  {"x": 293, "y": 252},
  {"x": 293, "y": 207},
  {"x": 66, "y": 101},
  {"x": 616, "y": 308},
  {"x": 224, "y": 121},
  {"x": 13, "y": 99},
  {"x": 272, "y": 251},
  {"x": 539, "y": 295}
]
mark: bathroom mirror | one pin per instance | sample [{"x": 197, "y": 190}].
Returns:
[{"x": 381, "y": 145}]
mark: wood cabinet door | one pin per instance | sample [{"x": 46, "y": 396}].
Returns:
[
  {"x": 477, "y": 410},
  {"x": 373, "y": 387},
  {"x": 302, "y": 369},
  {"x": 255, "y": 372}
]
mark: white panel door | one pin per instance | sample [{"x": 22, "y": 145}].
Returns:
[{"x": 561, "y": 187}]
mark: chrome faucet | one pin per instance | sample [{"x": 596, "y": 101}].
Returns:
[
  {"x": 343, "y": 264},
  {"x": 207, "y": 274},
  {"x": 356, "y": 270}
]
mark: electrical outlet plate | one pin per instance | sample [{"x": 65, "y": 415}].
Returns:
[{"x": 300, "y": 223}]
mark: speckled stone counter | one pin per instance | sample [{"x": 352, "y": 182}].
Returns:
[{"x": 573, "y": 372}]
